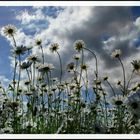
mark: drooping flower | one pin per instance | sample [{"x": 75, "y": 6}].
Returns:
[
  {"x": 116, "y": 53},
  {"x": 79, "y": 45},
  {"x": 9, "y": 30},
  {"x": 54, "y": 47}
]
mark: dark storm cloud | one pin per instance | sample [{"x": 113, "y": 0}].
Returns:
[
  {"x": 103, "y": 20},
  {"x": 108, "y": 21}
]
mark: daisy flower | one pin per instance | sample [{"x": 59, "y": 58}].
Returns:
[
  {"x": 116, "y": 53},
  {"x": 54, "y": 47},
  {"x": 136, "y": 65},
  {"x": 79, "y": 45},
  {"x": 33, "y": 58},
  {"x": 9, "y": 30}
]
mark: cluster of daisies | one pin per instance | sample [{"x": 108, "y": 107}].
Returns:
[{"x": 44, "y": 104}]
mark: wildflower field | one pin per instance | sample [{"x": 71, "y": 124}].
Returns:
[{"x": 77, "y": 104}]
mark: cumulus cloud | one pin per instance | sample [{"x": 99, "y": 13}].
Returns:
[
  {"x": 4, "y": 81},
  {"x": 102, "y": 28},
  {"x": 25, "y": 17}
]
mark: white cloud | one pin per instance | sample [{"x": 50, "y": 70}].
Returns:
[
  {"x": 4, "y": 81},
  {"x": 89, "y": 24},
  {"x": 25, "y": 17}
]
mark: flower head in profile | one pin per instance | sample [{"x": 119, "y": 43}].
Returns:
[
  {"x": 46, "y": 67},
  {"x": 105, "y": 78},
  {"x": 27, "y": 82},
  {"x": 97, "y": 82},
  {"x": 79, "y": 45},
  {"x": 118, "y": 100},
  {"x": 54, "y": 47},
  {"x": 119, "y": 82},
  {"x": 9, "y": 30},
  {"x": 33, "y": 58},
  {"x": 76, "y": 57},
  {"x": 136, "y": 65},
  {"x": 20, "y": 50},
  {"x": 38, "y": 42},
  {"x": 116, "y": 53},
  {"x": 25, "y": 64}
]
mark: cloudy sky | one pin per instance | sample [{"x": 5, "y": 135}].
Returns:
[{"x": 103, "y": 29}]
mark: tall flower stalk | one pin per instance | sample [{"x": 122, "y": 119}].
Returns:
[
  {"x": 116, "y": 54},
  {"x": 54, "y": 48},
  {"x": 39, "y": 43}
]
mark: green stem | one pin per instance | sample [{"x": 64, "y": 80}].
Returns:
[
  {"x": 123, "y": 74},
  {"x": 95, "y": 60},
  {"x": 82, "y": 61},
  {"x": 60, "y": 66},
  {"x": 111, "y": 87},
  {"x": 129, "y": 80},
  {"x": 42, "y": 53},
  {"x": 19, "y": 73}
]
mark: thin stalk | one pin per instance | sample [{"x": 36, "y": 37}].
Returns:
[
  {"x": 123, "y": 74},
  {"x": 42, "y": 53},
  {"x": 106, "y": 111},
  {"x": 82, "y": 61},
  {"x": 28, "y": 75},
  {"x": 19, "y": 73},
  {"x": 95, "y": 60},
  {"x": 33, "y": 73},
  {"x": 61, "y": 72},
  {"x": 86, "y": 86},
  {"x": 14, "y": 41},
  {"x": 111, "y": 87},
  {"x": 14, "y": 78},
  {"x": 129, "y": 80}
]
